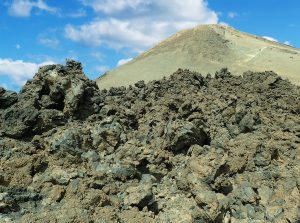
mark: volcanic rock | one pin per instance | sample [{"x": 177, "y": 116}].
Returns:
[
  {"x": 56, "y": 94},
  {"x": 188, "y": 148}
]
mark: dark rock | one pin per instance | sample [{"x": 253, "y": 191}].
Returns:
[
  {"x": 12, "y": 199},
  {"x": 49, "y": 119},
  {"x": 18, "y": 121},
  {"x": 7, "y": 98},
  {"x": 181, "y": 135},
  {"x": 72, "y": 141},
  {"x": 140, "y": 84},
  {"x": 223, "y": 73},
  {"x": 182, "y": 149},
  {"x": 263, "y": 157},
  {"x": 247, "y": 195},
  {"x": 122, "y": 172},
  {"x": 54, "y": 87}
]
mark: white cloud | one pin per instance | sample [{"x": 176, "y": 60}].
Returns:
[
  {"x": 49, "y": 38},
  {"x": 23, "y": 8},
  {"x": 49, "y": 42},
  {"x": 97, "y": 55},
  {"x": 270, "y": 38},
  {"x": 114, "y": 33},
  {"x": 139, "y": 24},
  {"x": 101, "y": 69},
  {"x": 111, "y": 6},
  {"x": 275, "y": 40},
  {"x": 224, "y": 24},
  {"x": 123, "y": 61},
  {"x": 288, "y": 43},
  {"x": 78, "y": 14},
  {"x": 232, "y": 15},
  {"x": 18, "y": 70}
]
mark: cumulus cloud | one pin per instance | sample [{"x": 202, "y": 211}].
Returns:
[
  {"x": 139, "y": 24},
  {"x": 123, "y": 61},
  {"x": 19, "y": 71},
  {"x": 270, "y": 38},
  {"x": 23, "y": 8},
  {"x": 115, "y": 33},
  {"x": 111, "y": 6}
]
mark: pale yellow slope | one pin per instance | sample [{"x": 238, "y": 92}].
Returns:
[{"x": 206, "y": 49}]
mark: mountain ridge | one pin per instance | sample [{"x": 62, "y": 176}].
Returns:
[{"x": 206, "y": 49}]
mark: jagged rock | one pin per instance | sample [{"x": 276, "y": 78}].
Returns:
[
  {"x": 55, "y": 87},
  {"x": 7, "y": 98},
  {"x": 49, "y": 119},
  {"x": 223, "y": 73},
  {"x": 182, "y": 149},
  {"x": 12, "y": 199},
  {"x": 141, "y": 195},
  {"x": 180, "y": 136},
  {"x": 18, "y": 120},
  {"x": 122, "y": 172},
  {"x": 108, "y": 131},
  {"x": 246, "y": 194}
]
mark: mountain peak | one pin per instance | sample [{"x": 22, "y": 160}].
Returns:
[{"x": 206, "y": 49}]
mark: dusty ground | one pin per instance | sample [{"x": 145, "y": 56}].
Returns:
[
  {"x": 184, "y": 149},
  {"x": 206, "y": 49}
]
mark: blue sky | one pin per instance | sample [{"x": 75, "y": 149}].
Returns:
[{"x": 104, "y": 33}]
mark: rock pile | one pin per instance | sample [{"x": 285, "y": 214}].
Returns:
[{"x": 185, "y": 149}]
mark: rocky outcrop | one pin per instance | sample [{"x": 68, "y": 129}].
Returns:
[
  {"x": 7, "y": 98},
  {"x": 185, "y": 149},
  {"x": 55, "y": 95}
]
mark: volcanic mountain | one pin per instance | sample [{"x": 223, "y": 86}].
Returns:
[{"x": 206, "y": 49}]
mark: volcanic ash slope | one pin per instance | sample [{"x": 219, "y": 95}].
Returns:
[
  {"x": 184, "y": 149},
  {"x": 205, "y": 49}
]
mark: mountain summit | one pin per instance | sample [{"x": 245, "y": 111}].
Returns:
[{"x": 206, "y": 49}]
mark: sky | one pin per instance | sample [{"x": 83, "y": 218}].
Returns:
[{"x": 103, "y": 34}]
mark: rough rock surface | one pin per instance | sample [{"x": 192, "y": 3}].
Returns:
[{"x": 185, "y": 149}]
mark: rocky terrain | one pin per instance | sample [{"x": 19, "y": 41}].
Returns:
[{"x": 190, "y": 148}]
